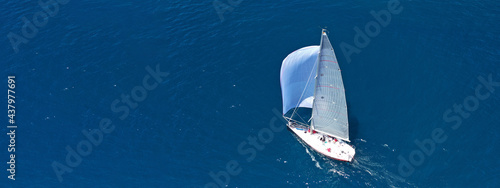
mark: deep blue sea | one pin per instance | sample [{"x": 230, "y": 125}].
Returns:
[{"x": 183, "y": 92}]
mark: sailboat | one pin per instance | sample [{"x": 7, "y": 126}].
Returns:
[{"x": 311, "y": 81}]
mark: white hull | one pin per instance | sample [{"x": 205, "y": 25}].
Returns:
[{"x": 330, "y": 147}]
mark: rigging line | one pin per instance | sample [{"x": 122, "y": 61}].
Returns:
[
  {"x": 298, "y": 115},
  {"x": 301, "y": 117},
  {"x": 303, "y": 91}
]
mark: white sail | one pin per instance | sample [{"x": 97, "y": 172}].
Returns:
[
  {"x": 297, "y": 78},
  {"x": 329, "y": 106}
]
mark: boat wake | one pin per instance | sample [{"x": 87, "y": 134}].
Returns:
[
  {"x": 364, "y": 166},
  {"x": 312, "y": 157},
  {"x": 367, "y": 167}
]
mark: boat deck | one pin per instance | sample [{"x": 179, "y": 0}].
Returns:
[{"x": 324, "y": 144}]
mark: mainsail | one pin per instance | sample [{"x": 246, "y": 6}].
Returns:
[{"x": 329, "y": 106}]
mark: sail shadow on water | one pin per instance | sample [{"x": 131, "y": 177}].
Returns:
[
  {"x": 365, "y": 166},
  {"x": 353, "y": 123}
]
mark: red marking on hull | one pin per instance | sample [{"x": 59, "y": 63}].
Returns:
[
  {"x": 317, "y": 150},
  {"x": 337, "y": 159}
]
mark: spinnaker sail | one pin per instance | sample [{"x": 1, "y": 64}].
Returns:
[{"x": 297, "y": 78}]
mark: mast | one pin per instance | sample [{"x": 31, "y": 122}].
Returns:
[
  {"x": 329, "y": 114},
  {"x": 323, "y": 31}
]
